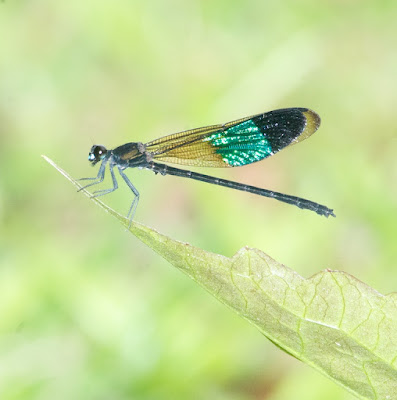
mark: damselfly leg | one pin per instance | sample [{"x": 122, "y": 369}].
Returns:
[{"x": 98, "y": 179}]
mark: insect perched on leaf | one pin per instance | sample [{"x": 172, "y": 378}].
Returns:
[{"x": 233, "y": 144}]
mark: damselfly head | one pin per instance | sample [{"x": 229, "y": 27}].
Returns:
[{"x": 97, "y": 153}]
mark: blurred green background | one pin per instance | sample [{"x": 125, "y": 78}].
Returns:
[{"x": 86, "y": 310}]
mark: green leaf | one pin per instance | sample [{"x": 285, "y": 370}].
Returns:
[{"x": 331, "y": 321}]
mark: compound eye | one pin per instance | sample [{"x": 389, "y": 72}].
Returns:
[{"x": 97, "y": 154}]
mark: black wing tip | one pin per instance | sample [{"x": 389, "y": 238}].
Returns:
[{"x": 312, "y": 120}]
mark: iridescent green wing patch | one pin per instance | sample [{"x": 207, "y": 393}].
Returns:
[{"x": 241, "y": 144}]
